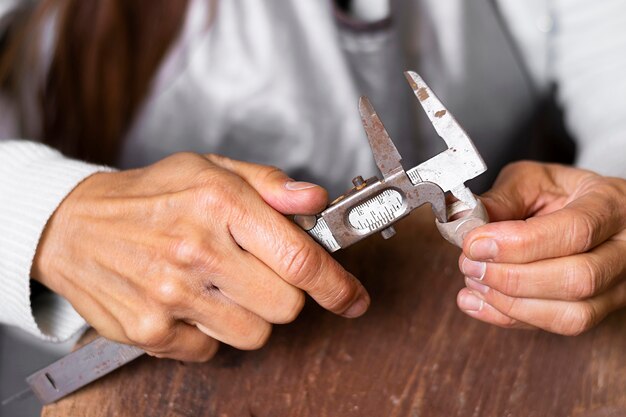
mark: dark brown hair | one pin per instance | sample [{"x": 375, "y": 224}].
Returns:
[{"x": 106, "y": 54}]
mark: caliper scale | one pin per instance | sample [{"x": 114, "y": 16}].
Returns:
[{"x": 373, "y": 205}]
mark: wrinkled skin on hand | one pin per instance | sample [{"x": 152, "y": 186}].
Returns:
[
  {"x": 554, "y": 256},
  {"x": 192, "y": 250}
]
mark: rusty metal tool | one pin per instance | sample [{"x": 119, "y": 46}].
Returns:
[
  {"x": 374, "y": 205},
  {"x": 77, "y": 369}
]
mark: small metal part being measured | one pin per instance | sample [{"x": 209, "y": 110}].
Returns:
[{"x": 455, "y": 231}]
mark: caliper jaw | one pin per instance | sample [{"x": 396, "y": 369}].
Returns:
[{"x": 451, "y": 168}]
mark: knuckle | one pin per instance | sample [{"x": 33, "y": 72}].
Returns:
[
  {"x": 617, "y": 189},
  {"x": 266, "y": 173},
  {"x": 510, "y": 306},
  {"x": 170, "y": 292},
  {"x": 507, "y": 322},
  {"x": 593, "y": 181},
  {"x": 518, "y": 166},
  {"x": 339, "y": 297},
  {"x": 258, "y": 337},
  {"x": 612, "y": 194},
  {"x": 301, "y": 264},
  {"x": 288, "y": 313},
  {"x": 512, "y": 283},
  {"x": 190, "y": 252},
  {"x": 217, "y": 190},
  {"x": 584, "y": 229},
  {"x": 577, "y": 319},
  {"x": 215, "y": 187},
  {"x": 185, "y": 155},
  {"x": 220, "y": 160},
  {"x": 304, "y": 270},
  {"x": 206, "y": 353},
  {"x": 182, "y": 157},
  {"x": 580, "y": 280},
  {"x": 152, "y": 332}
]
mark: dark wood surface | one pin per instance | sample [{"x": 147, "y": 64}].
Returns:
[{"x": 412, "y": 354}]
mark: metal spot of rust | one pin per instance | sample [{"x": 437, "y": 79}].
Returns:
[
  {"x": 440, "y": 113},
  {"x": 422, "y": 94}
]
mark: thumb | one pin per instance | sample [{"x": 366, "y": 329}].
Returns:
[
  {"x": 503, "y": 205},
  {"x": 553, "y": 224},
  {"x": 512, "y": 197},
  {"x": 515, "y": 192},
  {"x": 279, "y": 191}
]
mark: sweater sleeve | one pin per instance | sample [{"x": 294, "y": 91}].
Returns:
[
  {"x": 34, "y": 180},
  {"x": 589, "y": 64}
]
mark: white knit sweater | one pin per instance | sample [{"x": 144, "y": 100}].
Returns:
[
  {"x": 34, "y": 179},
  {"x": 235, "y": 90}
]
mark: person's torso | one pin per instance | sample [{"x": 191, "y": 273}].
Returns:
[{"x": 278, "y": 83}]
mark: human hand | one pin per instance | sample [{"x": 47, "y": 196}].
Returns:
[
  {"x": 554, "y": 257},
  {"x": 190, "y": 251}
]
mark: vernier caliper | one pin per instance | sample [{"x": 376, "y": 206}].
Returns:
[{"x": 371, "y": 206}]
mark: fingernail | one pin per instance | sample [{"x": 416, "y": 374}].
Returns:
[
  {"x": 475, "y": 285},
  {"x": 358, "y": 308},
  {"x": 299, "y": 185},
  {"x": 469, "y": 302},
  {"x": 473, "y": 269},
  {"x": 485, "y": 249}
]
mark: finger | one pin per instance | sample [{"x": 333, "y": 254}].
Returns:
[
  {"x": 108, "y": 318},
  {"x": 222, "y": 265},
  {"x": 578, "y": 227},
  {"x": 476, "y": 308},
  {"x": 276, "y": 188},
  {"x": 186, "y": 293},
  {"x": 562, "y": 317},
  {"x": 574, "y": 210},
  {"x": 301, "y": 262},
  {"x": 291, "y": 253},
  {"x": 96, "y": 314},
  {"x": 516, "y": 193},
  {"x": 294, "y": 256},
  {"x": 576, "y": 277},
  {"x": 222, "y": 319},
  {"x": 189, "y": 345},
  {"x": 257, "y": 288}
]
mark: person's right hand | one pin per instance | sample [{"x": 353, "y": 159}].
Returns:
[{"x": 190, "y": 251}]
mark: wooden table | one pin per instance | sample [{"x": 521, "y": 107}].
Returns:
[{"x": 412, "y": 354}]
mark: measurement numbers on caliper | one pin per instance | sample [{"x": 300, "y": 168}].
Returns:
[{"x": 378, "y": 211}]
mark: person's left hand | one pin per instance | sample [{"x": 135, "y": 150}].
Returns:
[{"x": 554, "y": 257}]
